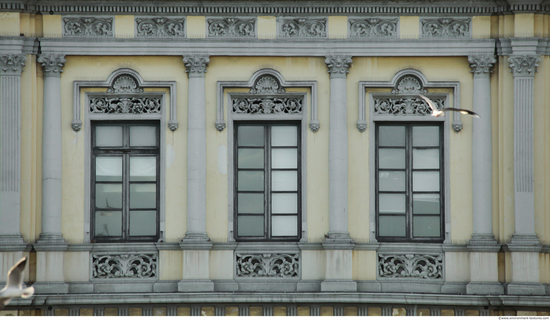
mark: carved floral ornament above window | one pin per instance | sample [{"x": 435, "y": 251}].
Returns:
[
  {"x": 373, "y": 28},
  {"x": 445, "y": 27},
  {"x": 264, "y": 101},
  {"x": 121, "y": 98},
  {"x": 87, "y": 27},
  {"x": 160, "y": 27}
]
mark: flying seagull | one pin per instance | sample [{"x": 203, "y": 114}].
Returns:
[
  {"x": 438, "y": 113},
  {"x": 14, "y": 286}
]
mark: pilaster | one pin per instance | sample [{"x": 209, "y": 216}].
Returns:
[
  {"x": 483, "y": 246},
  {"x": 338, "y": 68},
  {"x": 525, "y": 245},
  {"x": 52, "y": 65},
  {"x": 196, "y": 149},
  {"x": 11, "y": 67}
]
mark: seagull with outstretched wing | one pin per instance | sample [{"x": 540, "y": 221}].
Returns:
[
  {"x": 438, "y": 113},
  {"x": 14, "y": 286}
]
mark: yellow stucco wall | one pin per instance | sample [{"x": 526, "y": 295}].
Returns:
[
  {"x": 481, "y": 27},
  {"x": 52, "y": 26},
  {"x": 337, "y": 27},
  {"x": 99, "y": 68},
  {"x": 267, "y": 27},
  {"x": 409, "y": 27},
  {"x": 196, "y": 26},
  {"x": 124, "y": 26},
  {"x": 9, "y": 24}
]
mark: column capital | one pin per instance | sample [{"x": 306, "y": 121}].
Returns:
[
  {"x": 338, "y": 66},
  {"x": 12, "y": 64},
  {"x": 524, "y": 65},
  {"x": 481, "y": 64},
  {"x": 52, "y": 64},
  {"x": 196, "y": 65}
]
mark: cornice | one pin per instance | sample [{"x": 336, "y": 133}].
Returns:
[
  {"x": 308, "y": 7},
  {"x": 263, "y": 47}
]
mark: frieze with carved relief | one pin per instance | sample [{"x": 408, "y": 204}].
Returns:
[{"x": 124, "y": 266}]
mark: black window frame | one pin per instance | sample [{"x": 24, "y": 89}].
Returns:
[
  {"x": 267, "y": 181},
  {"x": 125, "y": 151},
  {"x": 409, "y": 225}
]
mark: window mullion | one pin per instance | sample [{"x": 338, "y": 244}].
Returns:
[
  {"x": 409, "y": 177},
  {"x": 267, "y": 187}
]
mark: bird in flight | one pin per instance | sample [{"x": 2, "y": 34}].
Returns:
[
  {"x": 14, "y": 285},
  {"x": 438, "y": 113}
]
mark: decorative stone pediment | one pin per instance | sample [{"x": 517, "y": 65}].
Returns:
[
  {"x": 409, "y": 85},
  {"x": 267, "y": 84},
  {"x": 125, "y": 84},
  {"x": 445, "y": 27},
  {"x": 303, "y": 28},
  {"x": 87, "y": 27},
  {"x": 160, "y": 27},
  {"x": 231, "y": 28},
  {"x": 373, "y": 28}
]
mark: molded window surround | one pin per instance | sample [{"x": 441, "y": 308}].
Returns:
[
  {"x": 269, "y": 104},
  {"x": 123, "y": 101},
  {"x": 378, "y": 98}
]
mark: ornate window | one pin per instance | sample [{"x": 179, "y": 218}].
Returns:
[
  {"x": 125, "y": 187},
  {"x": 267, "y": 181},
  {"x": 409, "y": 181}
]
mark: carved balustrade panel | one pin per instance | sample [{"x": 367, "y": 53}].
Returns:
[
  {"x": 268, "y": 265},
  {"x": 124, "y": 266},
  {"x": 267, "y": 105},
  {"x": 422, "y": 266}
]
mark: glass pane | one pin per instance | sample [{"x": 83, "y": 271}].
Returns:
[
  {"x": 391, "y": 203},
  {"x": 108, "y": 196},
  {"x": 284, "y": 181},
  {"x": 143, "y": 196},
  {"x": 391, "y": 158},
  {"x": 391, "y": 136},
  {"x": 143, "y": 136},
  {"x": 284, "y": 158},
  {"x": 425, "y": 136},
  {"x": 391, "y": 226},
  {"x": 250, "y": 136},
  {"x": 426, "y": 204},
  {"x": 108, "y": 169},
  {"x": 143, "y": 168},
  {"x": 284, "y": 226},
  {"x": 108, "y": 223},
  {"x": 425, "y": 158},
  {"x": 251, "y": 181},
  {"x": 391, "y": 181},
  {"x": 250, "y": 226},
  {"x": 284, "y": 136},
  {"x": 251, "y": 203},
  {"x": 426, "y": 226},
  {"x": 284, "y": 203},
  {"x": 251, "y": 158},
  {"x": 143, "y": 223},
  {"x": 108, "y": 136},
  {"x": 426, "y": 181}
]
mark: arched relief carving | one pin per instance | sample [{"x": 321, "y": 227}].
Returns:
[
  {"x": 124, "y": 94},
  {"x": 267, "y": 95},
  {"x": 406, "y": 85}
]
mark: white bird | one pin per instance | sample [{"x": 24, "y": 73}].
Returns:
[
  {"x": 438, "y": 113},
  {"x": 14, "y": 286}
]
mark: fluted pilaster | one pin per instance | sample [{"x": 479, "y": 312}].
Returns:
[{"x": 10, "y": 148}]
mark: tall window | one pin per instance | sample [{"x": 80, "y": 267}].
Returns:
[
  {"x": 409, "y": 182},
  {"x": 267, "y": 182},
  {"x": 125, "y": 181}
]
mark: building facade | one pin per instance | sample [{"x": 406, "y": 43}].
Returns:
[{"x": 276, "y": 158}]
